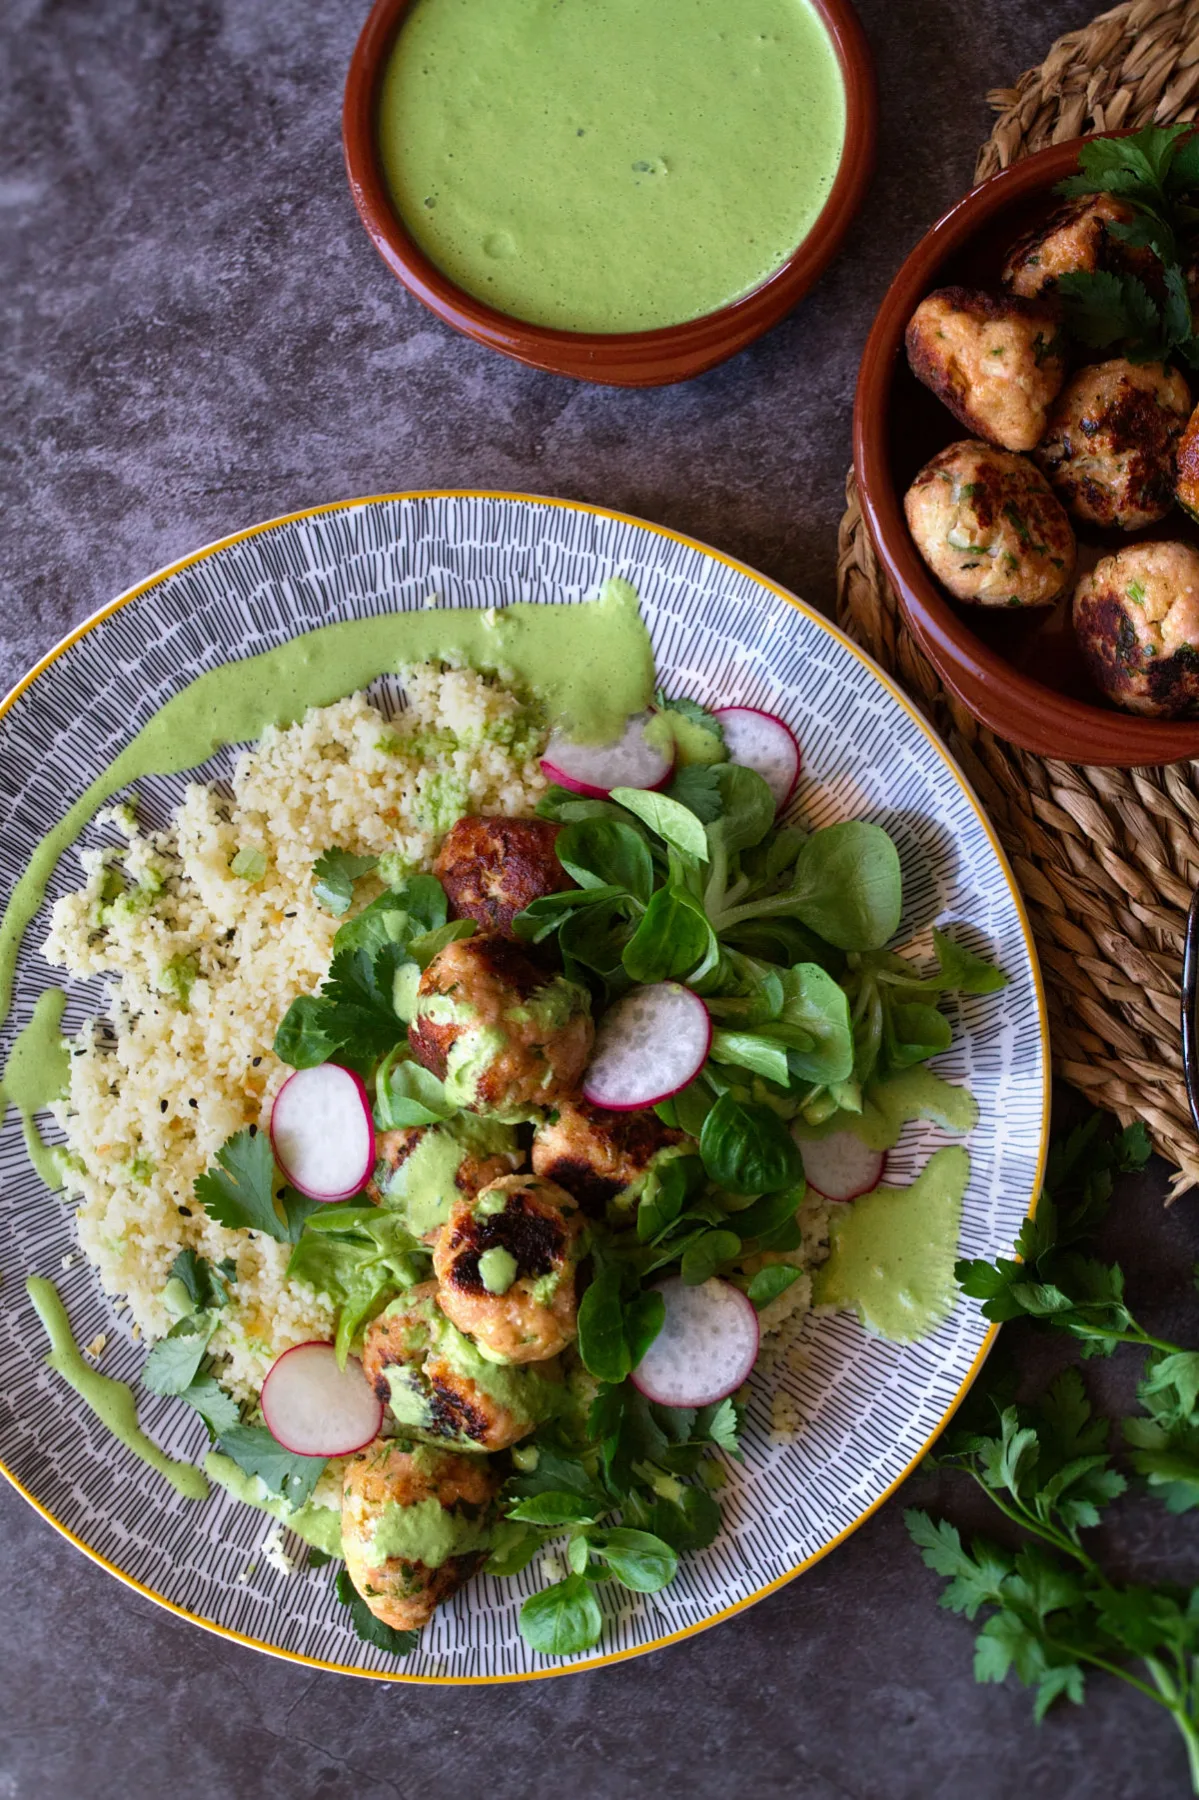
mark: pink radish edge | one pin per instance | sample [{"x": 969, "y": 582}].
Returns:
[
  {"x": 323, "y": 1132},
  {"x": 840, "y": 1166},
  {"x": 624, "y": 1074},
  {"x": 630, "y": 762},
  {"x": 314, "y": 1408},
  {"x": 706, "y": 1348},
  {"x": 783, "y": 786}
]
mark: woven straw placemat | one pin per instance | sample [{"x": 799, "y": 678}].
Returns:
[{"x": 1107, "y": 858}]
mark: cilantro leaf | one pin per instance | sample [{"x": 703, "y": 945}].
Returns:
[
  {"x": 1104, "y": 307},
  {"x": 359, "y": 990},
  {"x": 256, "y": 1452},
  {"x": 174, "y": 1361},
  {"x": 240, "y": 1193},
  {"x": 219, "y": 1411},
  {"x": 307, "y": 1036},
  {"x": 207, "y": 1285},
  {"x": 369, "y": 1629},
  {"x": 333, "y": 878}
]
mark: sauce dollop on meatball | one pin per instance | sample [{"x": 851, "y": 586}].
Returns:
[
  {"x": 505, "y": 1266},
  {"x": 498, "y": 1029},
  {"x": 435, "y": 1505}
]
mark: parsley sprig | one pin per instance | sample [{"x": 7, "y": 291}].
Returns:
[
  {"x": 1052, "y": 1613},
  {"x": 1155, "y": 171}
]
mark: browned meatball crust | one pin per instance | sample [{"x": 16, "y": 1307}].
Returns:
[
  {"x": 1186, "y": 484},
  {"x": 493, "y": 868},
  {"x": 534, "y": 1227},
  {"x": 1077, "y": 238},
  {"x": 1136, "y": 616},
  {"x": 595, "y": 1154},
  {"x": 990, "y": 527},
  {"x": 437, "y": 1396},
  {"x": 995, "y": 361},
  {"x": 402, "y": 1593},
  {"x": 1110, "y": 446},
  {"x": 497, "y": 1029}
]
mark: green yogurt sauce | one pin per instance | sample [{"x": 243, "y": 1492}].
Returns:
[
  {"x": 319, "y": 1526},
  {"x": 111, "y": 1401},
  {"x": 588, "y": 666},
  {"x": 36, "y": 1075},
  {"x": 610, "y": 165},
  {"x": 892, "y": 1252}
]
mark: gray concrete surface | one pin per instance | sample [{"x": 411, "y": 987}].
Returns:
[{"x": 196, "y": 335}]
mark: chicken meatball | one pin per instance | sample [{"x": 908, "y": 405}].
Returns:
[
  {"x": 596, "y": 1155},
  {"x": 505, "y": 1266},
  {"x": 1112, "y": 441},
  {"x": 997, "y": 363},
  {"x": 437, "y": 1384},
  {"x": 989, "y": 528},
  {"x": 501, "y": 1033},
  {"x": 1186, "y": 484},
  {"x": 421, "y": 1170},
  {"x": 493, "y": 868},
  {"x": 1137, "y": 620},
  {"x": 403, "y": 1557},
  {"x": 1077, "y": 238}
]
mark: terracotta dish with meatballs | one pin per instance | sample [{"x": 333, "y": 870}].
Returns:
[
  {"x": 576, "y": 1081},
  {"x": 1073, "y": 374}
]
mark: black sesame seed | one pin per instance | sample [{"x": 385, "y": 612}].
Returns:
[
  {"x": 253, "y": 1131},
  {"x": 184, "y": 1212},
  {"x": 162, "y": 1106},
  {"x": 191, "y": 1103},
  {"x": 257, "y": 1060}
]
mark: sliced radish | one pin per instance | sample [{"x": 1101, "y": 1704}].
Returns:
[
  {"x": 840, "y": 1166},
  {"x": 313, "y": 1408},
  {"x": 595, "y": 769},
  {"x": 760, "y": 741},
  {"x": 706, "y": 1348},
  {"x": 322, "y": 1132},
  {"x": 648, "y": 1046}
]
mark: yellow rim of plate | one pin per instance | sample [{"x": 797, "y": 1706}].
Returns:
[{"x": 780, "y": 593}]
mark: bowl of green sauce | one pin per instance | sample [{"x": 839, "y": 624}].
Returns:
[{"x": 623, "y": 191}]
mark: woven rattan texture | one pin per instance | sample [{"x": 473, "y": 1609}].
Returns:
[{"x": 1107, "y": 858}]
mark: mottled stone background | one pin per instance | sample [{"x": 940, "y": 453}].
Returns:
[{"x": 197, "y": 335}]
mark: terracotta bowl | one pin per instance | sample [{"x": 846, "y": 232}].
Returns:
[
  {"x": 627, "y": 358},
  {"x": 1019, "y": 673}
]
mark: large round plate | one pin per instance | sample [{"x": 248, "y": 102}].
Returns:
[{"x": 720, "y": 633}]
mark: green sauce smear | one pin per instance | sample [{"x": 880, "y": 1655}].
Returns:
[
  {"x": 319, "y": 1526},
  {"x": 426, "y": 1532},
  {"x": 889, "y": 1105},
  {"x": 36, "y": 1075},
  {"x": 111, "y": 1401},
  {"x": 611, "y": 165},
  {"x": 589, "y": 667},
  {"x": 892, "y": 1252}
]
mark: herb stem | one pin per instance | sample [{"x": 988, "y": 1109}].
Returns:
[{"x": 1028, "y": 1521}]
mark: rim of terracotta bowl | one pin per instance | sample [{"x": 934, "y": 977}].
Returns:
[
  {"x": 626, "y": 358},
  {"x": 1012, "y": 705}
]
